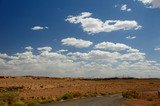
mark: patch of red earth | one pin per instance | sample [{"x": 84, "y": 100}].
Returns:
[{"x": 40, "y": 87}]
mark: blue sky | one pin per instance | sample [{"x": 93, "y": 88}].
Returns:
[{"x": 60, "y": 25}]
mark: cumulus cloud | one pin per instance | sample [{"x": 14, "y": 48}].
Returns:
[
  {"x": 94, "y": 63},
  {"x": 131, "y": 37},
  {"x": 3, "y": 55},
  {"x": 44, "y": 49},
  {"x": 124, "y": 7},
  {"x": 95, "y": 25},
  {"x": 98, "y": 55},
  {"x": 157, "y": 49},
  {"x": 111, "y": 46},
  {"x": 29, "y": 48},
  {"x": 78, "y": 43},
  {"x": 115, "y": 47},
  {"x": 151, "y": 3},
  {"x": 62, "y": 51},
  {"x": 39, "y": 28}
]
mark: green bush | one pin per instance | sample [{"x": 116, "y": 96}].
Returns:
[
  {"x": 94, "y": 94},
  {"x": 67, "y": 96},
  {"x": 58, "y": 98},
  {"x": 130, "y": 94},
  {"x": 32, "y": 102},
  {"x": 45, "y": 101},
  {"x": 91, "y": 94},
  {"x": 19, "y": 103}
]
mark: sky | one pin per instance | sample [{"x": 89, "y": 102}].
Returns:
[{"x": 68, "y": 38}]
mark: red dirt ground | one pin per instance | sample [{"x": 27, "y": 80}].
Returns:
[{"x": 44, "y": 87}]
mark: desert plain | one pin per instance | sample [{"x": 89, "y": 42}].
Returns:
[{"x": 31, "y": 87}]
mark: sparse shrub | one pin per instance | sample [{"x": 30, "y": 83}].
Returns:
[
  {"x": 46, "y": 101},
  {"x": 76, "y": 94},
  {"x": 32, "y": 97},
  {"x": 43, "y": 98},
  {"x": 67, "y": 96},
  {"x": 91, "y": 94},
  {"x": 58, "y": 98},
  {"x": 158, "y": 94},
  {"x": 130, "y": 94},
  {"x": 9, "y": 98},
  {"x": 149, "y": 99},
  {"x": 151, "y": 83},
  {"x": 109, "y": 93},
  {"x": 32, "y": 102},
  {"x": 22, "y": 99},
  {"x": 86, "y": 95},
  {"x": 19, "y": 103},
  {"x": 11, "y": 89},
  {"x": 41, "y": 86},
  {"x": 2, "y": 103},
  {"x": 102, "y": 93}
]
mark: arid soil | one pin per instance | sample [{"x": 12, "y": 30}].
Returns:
[{"x": 44, "y": 87}]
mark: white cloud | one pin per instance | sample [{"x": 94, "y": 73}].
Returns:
[
  {"x": 44, "y": 49},
  {"x": 119, "y": 47},
  {"x": 62, "y": 51},
  {"x": 38, "y": 28},
  {"x": 157, "y": 49},
  {"x": 131, "y": 37},
  {"x": 132, "y": 50},
  {"x": 116, "y": 6},
  {"x": 78, "y": 43},
  {"x": 95, "y": 63},
  {"x": 3, "y": 55},
  {"x": 95, "y": 25},
  {"x": 98, "y": 55},
  {"x": 133, "y": 56},
  {"x": 125, "y": 8},
  {"x": 151, "y": 3},
  {"x": 29, "y": 48},
  {"x": 111, "y": 46}
]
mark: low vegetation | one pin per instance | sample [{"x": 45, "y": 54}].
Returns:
[
  {"x": 10, "y": 99},
  {"x": 19, "y": 103},
  {"x": 32, "y": 102},
  {"x": 13, "y": 99},
  {"x": 76, "y": 94},
  {"x": 65, "y": 96},
  {"x": 131, "y": 94},
  {"x": 11, "y": 88}
]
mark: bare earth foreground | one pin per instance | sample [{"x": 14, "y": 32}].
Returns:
[{"x": 51, "y": 88}]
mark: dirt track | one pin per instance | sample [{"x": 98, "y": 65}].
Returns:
[{"x": 110, "y": 100}]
